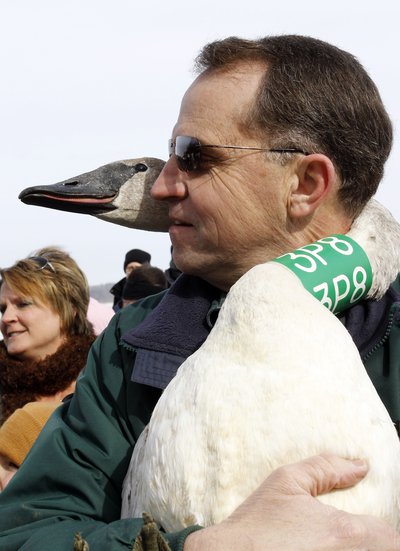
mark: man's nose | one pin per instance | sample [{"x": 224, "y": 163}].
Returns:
[{"x": 170, "y": 183}]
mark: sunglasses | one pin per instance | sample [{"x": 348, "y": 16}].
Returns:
[
  {"x": 190, "y": 155},
  {"x": 42, "y": 263}
]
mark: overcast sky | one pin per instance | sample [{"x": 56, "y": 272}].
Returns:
[{"x": 87, "y": 82}]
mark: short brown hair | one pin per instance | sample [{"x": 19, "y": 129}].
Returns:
[
  {"x": 318, "y": 98},
  {"x": 65, "y": 290}
]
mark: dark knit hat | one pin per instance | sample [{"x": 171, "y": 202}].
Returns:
[
  {"x": 144, "y": 281},
  {"x": 136, "y": 255}
]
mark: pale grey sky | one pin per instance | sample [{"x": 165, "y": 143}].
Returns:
[{"x": 87, "y": 82}]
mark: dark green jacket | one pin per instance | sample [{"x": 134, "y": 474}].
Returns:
[{"x": 71, "y": 481}]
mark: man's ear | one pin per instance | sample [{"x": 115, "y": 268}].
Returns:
[{"x": 316, "y": 176}]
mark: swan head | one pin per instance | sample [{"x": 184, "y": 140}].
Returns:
[{"x": 117, "y": 192}]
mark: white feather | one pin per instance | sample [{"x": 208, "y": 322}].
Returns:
[
  {"x": 277, "y": 380},
  {"x": 379, "y": 235}
]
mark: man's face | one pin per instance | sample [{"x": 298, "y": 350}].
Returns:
[{"x": 232, "y": 215}]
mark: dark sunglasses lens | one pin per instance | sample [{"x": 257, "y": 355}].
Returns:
[
  {"x": 40, "y": 261},
  {"x": 188, "y": 153}
]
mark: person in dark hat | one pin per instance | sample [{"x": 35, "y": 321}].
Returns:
[
  {"x": 143, "y": 282},
  {"x": 133, "y": 259}
]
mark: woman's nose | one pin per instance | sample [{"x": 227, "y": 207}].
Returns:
[
  {"x": 169, "y": 184},
  {"x": 8, "y": 315}
]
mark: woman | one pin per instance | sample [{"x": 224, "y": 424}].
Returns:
[{"x": 43, "y": 305}]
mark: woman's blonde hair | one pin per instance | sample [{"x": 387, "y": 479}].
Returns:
[{"x": 52, "y": 277}]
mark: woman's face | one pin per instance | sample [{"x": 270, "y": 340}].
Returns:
[{"x": 31, "y": 329}]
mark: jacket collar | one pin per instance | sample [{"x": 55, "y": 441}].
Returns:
[
  {"x": 174, "y": 330},
  {"x": 368, "y": 321}
]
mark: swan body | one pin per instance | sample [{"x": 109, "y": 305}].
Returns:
[
  {"x": 117, "y": 192},
  {"x": 278, "y": 379}
]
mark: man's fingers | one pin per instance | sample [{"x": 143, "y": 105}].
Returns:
[{"x": 318, "y": 475}]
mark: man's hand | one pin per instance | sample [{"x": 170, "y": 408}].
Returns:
[{"x": 283, "y": 514}]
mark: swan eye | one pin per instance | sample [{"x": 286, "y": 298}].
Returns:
[{"x": 141, "y": 167}]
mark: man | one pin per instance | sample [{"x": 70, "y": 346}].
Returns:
[
  {"x": 133, "y": 259},
  {"x": 143, "y": 282},
  {"x": 278, "y": 142}
]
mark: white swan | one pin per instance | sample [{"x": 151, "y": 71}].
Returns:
[{"x": 278, "y": 379}]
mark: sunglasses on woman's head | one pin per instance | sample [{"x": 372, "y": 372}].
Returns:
[
  {"x": 190, "y": 155},
  {"x": 42, "y": 263}
]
